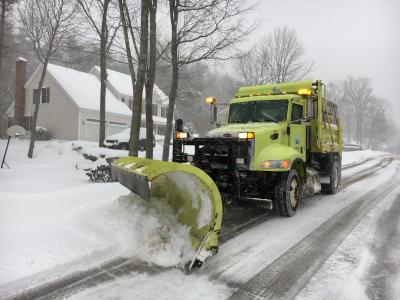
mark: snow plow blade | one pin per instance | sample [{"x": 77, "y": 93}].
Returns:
[{"x": 189, "y": 191}]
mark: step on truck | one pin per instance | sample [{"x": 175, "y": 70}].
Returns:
[{"x": 282, "y": 142}]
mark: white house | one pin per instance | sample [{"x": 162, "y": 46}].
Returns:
[
  {"x": 120, "y": 85},
  {"x": 69, "y": 106}
]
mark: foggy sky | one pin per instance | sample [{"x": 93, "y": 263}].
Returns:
[{"x": 343, "y": 37}]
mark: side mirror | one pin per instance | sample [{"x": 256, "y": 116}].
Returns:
[
  {"x": 213, "y": 109},
  {"x": 304, "y": 121},
  {"x": 214, "y": 117}
]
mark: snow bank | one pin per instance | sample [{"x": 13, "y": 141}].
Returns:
[
  {"x": 92, "y": 148},
  {"x": 47, "y": 230},
  {"x": 50, "y": 215},
  {"x": 52, "y": 168}
]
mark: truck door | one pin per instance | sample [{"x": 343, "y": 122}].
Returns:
[{"x": 297, "y": 138}]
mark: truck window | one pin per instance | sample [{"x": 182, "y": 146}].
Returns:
[
  {"x": 297, "y": 112},
  {"x": 311, "y": 108},
  {"x": 331, "y": 116},
  {"x": 258, "y": 111},
  {"x": 270, "y": 111},
  {"x": 240, "y": 112}
]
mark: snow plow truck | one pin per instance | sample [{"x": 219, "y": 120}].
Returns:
[{"x": 282, "y": 142}]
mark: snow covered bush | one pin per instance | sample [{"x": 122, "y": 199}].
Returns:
[
  {"x": 42, "y": 134},
  {"x": 101, "y": 174}
]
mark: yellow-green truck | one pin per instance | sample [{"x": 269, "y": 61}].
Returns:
[{"x": 282, "y": 141}]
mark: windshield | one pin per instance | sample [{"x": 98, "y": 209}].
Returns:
[{"x": 258, "y": 111}]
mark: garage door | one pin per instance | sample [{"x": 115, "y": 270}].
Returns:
[
  {"x": 116, "y": 127},
  {"x": 92, "y": 130}
]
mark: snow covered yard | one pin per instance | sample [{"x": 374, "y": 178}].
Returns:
[{"x": 54, "y": 222}]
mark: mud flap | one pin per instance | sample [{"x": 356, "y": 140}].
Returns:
[{"x": 189, "y": 191}]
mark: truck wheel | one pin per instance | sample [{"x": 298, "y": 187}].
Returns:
[
  {"x": 288, "y": 194},
  {"x": 335, "y": 177}
]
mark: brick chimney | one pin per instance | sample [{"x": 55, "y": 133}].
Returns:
[{"x": 20, "y": 79}]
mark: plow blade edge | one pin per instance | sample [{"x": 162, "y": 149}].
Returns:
[{"x": 189, "y": 191}]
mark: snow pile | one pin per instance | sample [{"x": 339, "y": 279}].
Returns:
[
  {"x": 93, "y": 149},
  {"x": 164, "y": 286},
  {"x": 151, "y": 233}
]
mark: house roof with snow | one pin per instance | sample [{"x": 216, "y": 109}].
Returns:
[
  {"x": 123, "y": 84},
  {"x": 84, "y": 89}
]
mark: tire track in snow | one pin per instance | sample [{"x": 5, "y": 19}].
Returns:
[
  {"x": 288, "y": 274},
  {"x": 382, "y": 274}
]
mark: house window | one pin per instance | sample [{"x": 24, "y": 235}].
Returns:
[
  {"x": 155, "y": 108},
  {"x": 161, "y": 130},
  {"x": 163, "y": 112},
  {"x": 45, "y": 95}
]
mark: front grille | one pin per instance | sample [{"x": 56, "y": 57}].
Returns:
[{"x": 218, "y": 153}]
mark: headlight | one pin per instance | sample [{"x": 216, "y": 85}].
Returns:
[
  {"x": 246, "y": 135},
  {"x": 181, "y": 135},
  {"x": 275, "y": 164}
]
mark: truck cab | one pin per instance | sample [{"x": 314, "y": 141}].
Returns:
[{"x": 282, "y": 142}]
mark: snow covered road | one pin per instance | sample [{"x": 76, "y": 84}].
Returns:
[{"x": 253, "y": 247}]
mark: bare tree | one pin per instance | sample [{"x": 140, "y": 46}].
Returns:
[
  {"x": 140, "y": 78},
  {"x": 145, "y": 75},
  {"x": 250, "y": 68},
  {"x": 6, "y": 6},
  {"x": 150, "y": 76},
  {"x": 136, "y": 106},
  {"x": 378, "y": 128},
  {"x": 278, "y": 57},
  {"x": 47, "y": 25},
  {"x": 201, "y": 30},
  {"x": 106, "y": 30},
  {"x": 360, "y": 95},
  {"x": 365, "y": 117}
]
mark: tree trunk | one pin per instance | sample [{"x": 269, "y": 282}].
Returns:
[
  {"x": 123, "y": 10},
  {"x": 36, "y": 110},
  {"x": 173, "y": 13},
  {"x": 2, "y": 22},
  {"x": 103, "y": 73},
  {"x": 141, "y": 76},
  {"x": 151, "y": 73}
]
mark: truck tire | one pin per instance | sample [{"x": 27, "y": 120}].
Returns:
[
  {"x": 288, "y": 194},
  {"x": 335, "y": 177}
]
